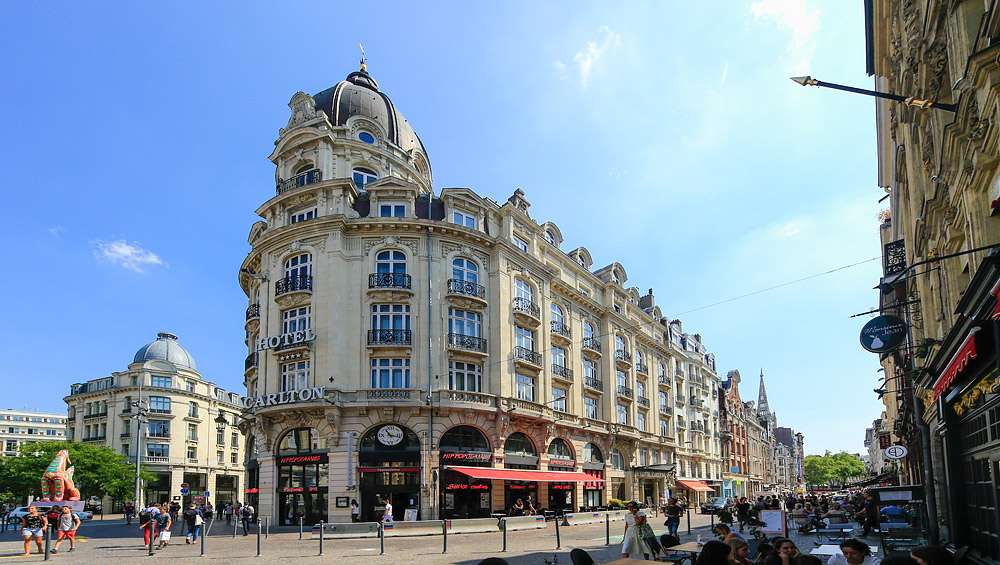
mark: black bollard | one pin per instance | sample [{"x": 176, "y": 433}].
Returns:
[
  {"x": 48, "y": 537},
  {"x": 607, "y": 529},
  {"x": 152, "y": 533},
  {"x": 558, "y": 541},
  {"x": 322, "y": 529},
  {"x": 503, "y": 524},
  {"x": 300, "y": 529},
  {"x": 267, "y": 526},
  {"x": 258, "y": 537},
  {"x": 381, "y": 539},
  {"x": 235, "y": 523},
  {"x": 688, "y": 513},
  {"x": 444, "y": 530}
]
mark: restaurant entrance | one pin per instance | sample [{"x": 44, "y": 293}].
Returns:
[{"x": 389, "y": 460}]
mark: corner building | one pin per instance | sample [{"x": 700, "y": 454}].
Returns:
[{"x": 443, "y": 350}]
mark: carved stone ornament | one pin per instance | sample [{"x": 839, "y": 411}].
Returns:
[
  {"x": 293, "y": 299},
  {"x": 936, "y": 59},
  {"x": 303, "y": 109},
  {"x": 319, "y": 244},
  {"x": 389, "y": 295},
  {"x": 390, "y": 241}
]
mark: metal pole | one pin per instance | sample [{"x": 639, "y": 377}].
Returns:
[
  {"x": 687, "y": 512},
  {"x": 607, "y": 529},
  {"x": 444, "y": 530},
  {"x": 558, "y": 541},
  {"x": 258, "y": 538},
  {"x": 48, "y": 537},
  {"x": 300, "y": 527},
  {"x": 235, "y": 525},
  {"x": 381, "y": 538},
  {"x": 152, "y": 532},
  {"x": 204, "y": 536},
  {"x": 503, "y": 524},
  {"x": 322, "y": 529},
  {"x": 267, "y": 526}
]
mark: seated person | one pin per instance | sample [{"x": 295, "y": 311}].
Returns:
[
  {"x": 894, "y": 513},
  {"x": 836, "y": 515}
]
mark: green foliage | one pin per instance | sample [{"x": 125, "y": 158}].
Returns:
[
  {"x": 724, "y": 516},
  {"x": 832, "y": 468},
  {"x": 754, "y": 522},
  {"x": 98, "y": 471},
  {"x": 616, "y": 502}
]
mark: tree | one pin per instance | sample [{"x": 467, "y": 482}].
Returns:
[
  {"x": 98, "y": 471},
  {"x": 816, "y": 469},
  {"x": 836, "y": 467}
]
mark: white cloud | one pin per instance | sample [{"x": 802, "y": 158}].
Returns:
[
  {"x": 725, "y": 71},
  {"x": 128, "y": 255},
  {"x": 56, "y": 230},
  {"x": 586, "y": 59},
  {"x": 796, "y": 16}
]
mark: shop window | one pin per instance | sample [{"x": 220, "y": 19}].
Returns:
[
  {"x": 559, "y": 449},
  {"x": 617, "y": 460},
  {"x": 519, "y": 444},
  {"x": 464, "y": 438},
  {"x": 592, "y": 454},
  {"x": 301, "y": 440}
]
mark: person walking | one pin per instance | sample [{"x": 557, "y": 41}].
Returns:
[
  {"x": 146, "y": 521},
  {"x": 742, "y": 511},
  {"x": 387, "y": 512},
  {"x": 33, "y": 526},
  {"x": 229, "y": 512},
  {"x": 129, "y": 512},
  {"x": 870, "y": 514},
  {"x": 529, "y": 508},
  {"x": 66, "y": 526},
  {"x": 674, "y": 512},
  {"x": 355, "y": 510},
  {"x": 162, "y": 523},
  {"x": 632, "y": 542},
  {"x": 193, "y": 519},
  {"x": 246, "y": 516}
]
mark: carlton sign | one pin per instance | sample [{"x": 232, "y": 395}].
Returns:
[{"x": 286, "y": 397}]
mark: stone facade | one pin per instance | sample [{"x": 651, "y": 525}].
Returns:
[{"x": 18, "y": 427}]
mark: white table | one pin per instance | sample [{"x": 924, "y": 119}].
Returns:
[{"x": 835, "y": 549}]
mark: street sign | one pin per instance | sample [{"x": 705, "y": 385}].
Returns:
[
  {"x": 185, "y": 485},
  {"x": 185, "y": 492},
  {"x": 895, "y": 452},
  {"x": 207, "y": 494},
  {"x": 883, "y": 333}
]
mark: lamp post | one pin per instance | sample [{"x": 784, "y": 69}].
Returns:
[
  {"x": 139, "y": 413},
  {"x": 908, "y": 100}
]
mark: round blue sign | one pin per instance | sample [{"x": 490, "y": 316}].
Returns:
[
  {"x": 185, "y": 491},
  {"x": 883, "y": 333}
]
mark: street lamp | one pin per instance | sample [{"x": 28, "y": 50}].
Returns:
[
  {"x": 139, "y": 411},
  {"x": 908, "y": 100}
]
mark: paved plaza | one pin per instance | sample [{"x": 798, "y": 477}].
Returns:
[{"x": 111, "y": 541}]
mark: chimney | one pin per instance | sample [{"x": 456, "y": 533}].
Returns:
[{"x": 646, "y": 302}]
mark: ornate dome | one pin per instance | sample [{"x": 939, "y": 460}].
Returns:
[
  {"x": 165, "y": 348},
  {"x": 358, "y": 94}
]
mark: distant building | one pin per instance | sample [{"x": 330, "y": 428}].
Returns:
[
  {"x": 181, "y": 440},
  {"x": 18, "y": 427}
]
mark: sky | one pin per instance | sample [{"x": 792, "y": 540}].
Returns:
[{"x": 662, "y": 135}]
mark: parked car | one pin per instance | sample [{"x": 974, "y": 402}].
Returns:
[
  {"x": 20, "y": 512},
  {"x": 713, "y": 505}
]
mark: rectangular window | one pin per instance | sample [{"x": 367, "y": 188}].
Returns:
[
  {"x": 219, "y": 457},
  {"x": 125, "y": 449},
  {"x": 463, "y": 219},
  {"x": 640, "y": 389},
  {"x": 621, "y": 378},
  {"x": 220, "y": 437},
  {"x": 464, "y": 323},
  {"x": 641, "y": 421},
  {"x": 465, "y": 376},
  {"x": 525, "y": 387},
  {"x": 234, "y": 440},
  {"x": 157, "y": 450},
  {"x": 190, "y": 386},
  {"x": 559, "y": 399},
  {"x": 391, "y": 373},
  {"x": 232, "y": 458},
  {"x": 301, "y": 216},
  {"x": 524, "y": 337},
  {"x": 50, "y": 432},
  {"x": 192, "y": 409},
  {"x": 664, "y": 428},
  {"x": 622, "y": 414},
  {"x": 558, "y": 356},
  {"x": 295, "y": 376},
  {"x": 160, "y": 404},
  {"x": 161, "y": 381},
  {"x": 159, "y": 428},
  {"x": 589, "y": 369},
  {"x": 520, "y": 244},
  {"x": 193, "y": 432},
  {"x": 390, "y": 316},
  {"x": 392, "y": 210},
  {"x": 296, "y": 319},
  {"x": 590, "y": 404},
  {"x": 192, "y": 452}
]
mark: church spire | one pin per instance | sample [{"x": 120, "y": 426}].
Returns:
[{"x": 762, "y": 407}]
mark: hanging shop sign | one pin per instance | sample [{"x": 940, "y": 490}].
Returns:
[
  {"x": 883, "y": 333},
  {"x": 286, "y": 397},
  {"x": 895, "y": 452},
  {"x": 285, "y": 340}
]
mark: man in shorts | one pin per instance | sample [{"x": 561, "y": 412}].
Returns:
[
  {"x": 129, "y": 513},
  {"x": 33, "y": 525},
  {"x": 66, "y": 527}
]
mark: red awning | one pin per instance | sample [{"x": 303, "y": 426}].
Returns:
[
  {"x": 995, "y": 291},
  {"x": 965, "y": 353},
  {"x": 521, "y": 475},
  {"x": 696, "y": 485}
]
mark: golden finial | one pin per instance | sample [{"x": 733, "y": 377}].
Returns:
[{"x": 364, "y": 62}]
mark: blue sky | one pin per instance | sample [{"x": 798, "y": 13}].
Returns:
[{"x": 663, "y": 135}]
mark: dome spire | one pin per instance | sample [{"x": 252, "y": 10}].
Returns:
[{"x": 364, "y": 61}]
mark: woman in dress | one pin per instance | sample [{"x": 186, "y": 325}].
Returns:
[
  {"x": 854, "y": 552},
  {"x": 633, "y": 544}
]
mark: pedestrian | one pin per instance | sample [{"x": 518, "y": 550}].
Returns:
[
  {"x": 194, "y": 520},
  {"x": 632, "y": 542},
  {"x": 174, "y": 508},
  {"x": 33, "y": 525},
  {"x": 53, "y": 514},
  {"x": 229, "y": 512},
  {"x": 742, "y": 511},
  {"x": 529, "y": 508},
  {"x": 869, "y": 513},
  {"x": 146, "y": 516},
  {"x": 854, "y": 552},
  {"x": 739, "y": 551},
  {"x": 66, "y": 527},
  {"x": 355, "y": 510},
  {"x": 387, "y": 512},
  {"x": 783, "y": 554},
  {"x": 673, "y": 512},
  {"x": 129, "y": 512},
  {"x": 517, "y": 509},
  {"x": 209, "y": 510},
  {"x": 663, "y": 505},
  {"x": 246, "y": 515},
  {"x": 645, "y": 532},
  {"x": 162, "y": 523},
  {"x": 714, "y": 553}
]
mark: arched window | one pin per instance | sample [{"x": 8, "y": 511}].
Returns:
[
  {"x": 519, "y": 444},
  {"x": 663, "y": 371},
  {"x": 523, "y": 290},
  {"x": 298, "y": 266},
  {"x": 390, "y": 262},
  {"x": 617, "y": 460},
  {"x": 557, "y": 315},
  {"x": 465, "y": 270},
  {"x": 588, "y": 330},
  {"x": 464, "y": 438},
  {"x": 638, "y": 357},
  {"x": 558, "y": 449},
  {"x": 301, "y": 440},
  {"x": 592, "y": 454},
  {"x": 620, "y": 343},
  {"x": 581, "y": 261},
  {"x": 362, "y": 177},
  {"x": 549, "y": 237}
]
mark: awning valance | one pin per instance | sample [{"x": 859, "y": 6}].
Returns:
[
  {"x": 525, "y": 475},
  {"x": 959, "y": 361},
  {"x": 696, "y": 485}
]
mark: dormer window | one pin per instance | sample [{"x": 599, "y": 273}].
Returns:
[
  {"x": 581, "y": 261},
  {"x": 521, "y": 244},
  {"x": 366, "y": 137},
  {"x": 463, "y": 219},
  {"x": 392, "y": 210},
  {"x": 362, "y": 177},
  {"x": 301, "y": 215},
  {"x": 550, "y": 238}
]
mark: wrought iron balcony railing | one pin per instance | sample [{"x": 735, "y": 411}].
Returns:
[
  {"x": 526, "y": 306},
  {"x": 643, "y": 401},
  {"x": 458, "y": 286},
  {"x": 664, "y": 380},
  {"x": 591, "y": 343},
  {"x": 467, "y": 342},
  {"x": 528, "y": 355},
  {"x": 623, "y": 355},
  {"x": 560, "y": 328},
  {"x": 641, "y": 368},
  {"x": 664, "y": 409},
  {"x": 293, "y": 284},
  {"x": 625, "y": 391},
  {"x": 562, "y": 371},
  {"x": 301, "y": 179},
  {"x": 253, "y": 311},
  {"x": 593, "y": 383},
  {"x": 251, "y": 361},
  {"x": 390, "y": 337},
  {"x": 389, "y": 280}
]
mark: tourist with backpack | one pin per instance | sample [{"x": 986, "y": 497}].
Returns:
[
  {"x": 247, "y": 516},
  {"x": 146, "y": 516},
  {"x": 192, "y": 516}
]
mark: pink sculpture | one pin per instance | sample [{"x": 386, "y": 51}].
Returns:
[{"x": 57, "y": 482}]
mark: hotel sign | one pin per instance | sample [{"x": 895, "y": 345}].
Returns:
[
  {"x": 285, "y": 340},
  {"x": 286, "y": 397}
]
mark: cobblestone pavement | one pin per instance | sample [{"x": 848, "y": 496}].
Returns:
[{"x": 111, "y": 541}]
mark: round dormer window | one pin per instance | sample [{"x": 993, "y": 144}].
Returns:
[{"x": 366, "y": 137}]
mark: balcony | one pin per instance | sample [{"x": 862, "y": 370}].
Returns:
[
  {"x": 297, "y": 283},
  {"x": 591, "y": 344},
  {"x": 250, "y": 362},
  {"x": 253, "y": 311},
  {"x": 473, "y": 397},
  {"x": 666, "y": 410},
  {"x": 165, "y": 434},
  {"x": 125, "y": 435},
  {"x": 390, "y": 337},
  {"x": 681, "y": 423},
  {"x": 562, "y": 372},
  {"x": 466, "y": 288},
  {"x": 95, "y": 415},
  {"x": 560, "y": 330},
  {"x": 680, "y": 399},
  {"x": 301, "y": 179},
  {"x": 391, "y": 394},
  {"x": 643, "y": 401},
  {"x": 641, "y": 368},
  {"x": 155, "y": 459},
  {"x": 624, "y": 356},
  {"x": 159, "y": 410},
  {"x": 95, "y": 438},
  {"x": 525, "y": 355},
  {"x": 390, "y": 280},
  {"x": 594, "y": 383},
  {"x": 679, "y": 373},
  {"x": 664, "y": 381},
  {"x": 526, "y": 311},
  {"x": 624, "y": 391},
  {"x": 530, "y": 405},
  {"x": 467, "y": 343}
]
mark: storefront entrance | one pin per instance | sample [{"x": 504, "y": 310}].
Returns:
[
  {"x": 460, "y": 496},
  {"x": 303, "y": 478},
  {"x": 389, "y": 467},
  {"x": 310, "y": 506}
]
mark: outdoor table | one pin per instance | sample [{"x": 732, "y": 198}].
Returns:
[
  {"x": 835, "y": 549},
  {"x": 692, "y": 547}
]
